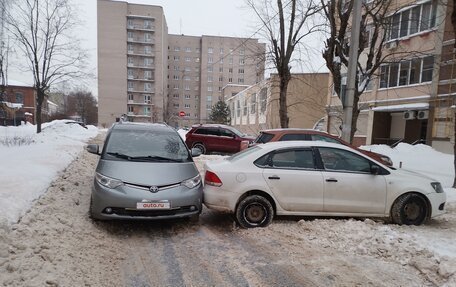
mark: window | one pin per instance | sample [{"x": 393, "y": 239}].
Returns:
[
  {"x": 130, "y": 109},
  {"x": 176, "y": 96},
  {"x": 147, "y": 87},
  {"x": 220, "y": 69},
  {"x": 263, "y": 100},
  {"x": 210, "y": 60},
  {"x": 188, "y": 59},
  {"x": 210, "y": 50},
  {"x": 19, "y": 98},
  {"x": 187, "y": 97},
  {"x": 147, "y": 37},
  {"x": 241, "y": 62},
  {"x": 207, "y": 131},
  {"x": 176, "y": 87},
  {"x": 294, "y": 137},
  {"x": 230, "y": 61},
  {"x": 209, "y": 79},
  {"x": 221, "y": 50},
  {"x": 230, "y": 80},
  {"x": 240, "y": 80},
  {"x": 176, "y": 68},
  {"x": 130, "y": 61},
  {"x": 226, "y": 133},
  {"x": 230, "y": 70},
  {"x": 241, "y": 52},
  {"x": 186, "y": 78},
  {"x": 253, "y": 104},
  {"x": 147, "y": 50},
  {"x": 293, "y": 159},
  {"x": 146, "y": 111},
  {"x": 187, "y": 88},
  {"x": 245, "y": 110},
  {"x": 221, "y": 61},
  {"x": 176, "y": 58},
  {"x": 148, "y": 62},
  {"x": 176, "y": 77},
  {"x": 130, "y": 48},
  {"x": 131, "y": 97},
  {"x": 177, "y": 49},
  {"x": 221, "y": 79},
  {"x": 188, "y": 49},
  {"x": 337, "y": 159},
  {"x": 413, "y": 20},
  {"x": 130, "y": 86},
  {"x": 209, "y": 88},
  {"x": 187, "y": 69},
  {"x": 187, "y": 106},
  {"x": 241, "y": 71},
  {"x": 415, "y": 71},
  {"x": 147, "y": 99},
  {"x": 210, "y": 69},
  {"x": 130, "y": 23},
  {"x": 130, "y": 35},
  {"x": 176, "y": 105},
  {"x": 130, "y": 73},
  {"x": 147, "y": 24}
]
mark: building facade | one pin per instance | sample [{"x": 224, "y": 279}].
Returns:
[
  {"x": 257, "y": 107},
  {"x": 132, "y": 62},
  {"x": 17, "y": 104},
  {"x": 151, "y": 75},
  {"x": 410, "y": 98}
]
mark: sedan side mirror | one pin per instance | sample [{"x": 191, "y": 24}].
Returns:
[
  {"x": 93, "y": 148},
  {"x": 195, "y": 152},
  {"x": 375, "y": 169}
]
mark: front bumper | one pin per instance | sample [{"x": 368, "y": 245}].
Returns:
[
  {"x": 437, "y": 201},
  {"x": 184, "y": 202}
]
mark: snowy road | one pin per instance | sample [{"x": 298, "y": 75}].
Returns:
[{"x": 56, "y": 244}]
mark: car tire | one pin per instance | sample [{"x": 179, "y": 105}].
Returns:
[
  {"x": 254, "y": 211},
  {"x": 201, "y": 147},
  {"x": 91, "y": 213},
  {"x": 409, "y": 209}
]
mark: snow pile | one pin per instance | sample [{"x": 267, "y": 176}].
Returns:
[
  {"x": 387, "y": 242},
  {"x": 182, "y": 133},
  {"x": 27, "y": 170},
  {"x": 420, "y": 158}
]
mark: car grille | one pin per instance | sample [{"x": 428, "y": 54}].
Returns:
[{"x": 150, "y": 213}]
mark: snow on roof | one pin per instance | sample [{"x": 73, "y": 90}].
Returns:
[
  {"x": 12, "y": 105},
  {"x": 404, "y": 107},
  {"x": 17, "y": 83}
]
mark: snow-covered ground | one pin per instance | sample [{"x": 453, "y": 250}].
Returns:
[{"x": 27, "y": 170}]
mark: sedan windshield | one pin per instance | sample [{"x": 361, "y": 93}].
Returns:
[{"x": 146, "y": 145}]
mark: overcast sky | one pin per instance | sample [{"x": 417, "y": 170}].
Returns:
[{"x": 189, "y": 17}]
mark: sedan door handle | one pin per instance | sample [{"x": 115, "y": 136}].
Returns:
[
  {"x": 331, "y": 180},
  {"x": 274, "y": 177}
]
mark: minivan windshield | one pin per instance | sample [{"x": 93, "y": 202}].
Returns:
[{"x": 146, "y": 145}]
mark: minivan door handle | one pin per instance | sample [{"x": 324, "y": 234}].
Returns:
[
  {"x": 274, "y": 177},
  {"x": 331, "y": 180}
]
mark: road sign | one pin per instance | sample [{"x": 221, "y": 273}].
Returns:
[{"x": 181, "y": 114}]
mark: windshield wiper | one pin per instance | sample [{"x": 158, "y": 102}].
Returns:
[
  {"x": 155, "y": 158},
  {"x": 120, "y": 155}
]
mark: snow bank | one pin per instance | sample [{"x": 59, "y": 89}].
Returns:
[
  {"x": 26, "y": 171},
  {"x": 182, "y": 133},
  {"x": 420, "y": 158}
]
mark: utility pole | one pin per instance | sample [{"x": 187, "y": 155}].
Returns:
[{"x": 352, "y": 71}]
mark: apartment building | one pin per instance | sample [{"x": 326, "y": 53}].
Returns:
[
  {"x": 256, "y": 107},
  {"x": 152, "y": 76},
  {"x": 411, "y": 96},
  {"x": 132, "y": 62}
]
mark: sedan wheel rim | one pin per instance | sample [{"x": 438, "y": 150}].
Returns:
[
  {"x": 412, "y": 210},
  {"x": 255, "y": 213}
]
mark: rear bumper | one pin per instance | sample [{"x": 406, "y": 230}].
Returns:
[{"x": 219, "y": 199}]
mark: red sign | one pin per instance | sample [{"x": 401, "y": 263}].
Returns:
[{"x": 181, "y": 114}]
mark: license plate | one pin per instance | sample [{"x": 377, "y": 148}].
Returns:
[{"x": 153, "y": 205}]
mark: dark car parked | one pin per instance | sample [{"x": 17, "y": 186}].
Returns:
[
  {"x": 217, "y": 138},
  {"x": 275, "y": 135}
]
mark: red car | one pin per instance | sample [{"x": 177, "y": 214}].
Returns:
[
  {"x": 313, "y": 135},
  {"x": 217, "y": 138}
]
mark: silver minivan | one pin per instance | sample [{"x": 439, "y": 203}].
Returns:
[{"x": 145, "y": 171}]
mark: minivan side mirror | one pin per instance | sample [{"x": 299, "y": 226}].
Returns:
[
  {"x": 195, "y": 152},
  {"x": 93, "y": 148},
  {"x": 375, "y": 169}
]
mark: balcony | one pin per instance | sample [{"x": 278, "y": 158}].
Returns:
[
  {"x": 141, "y": 54},
  {"x": 141, "y": 27},
  {"x": 151, "y": 91},
  {"x": 141, "y": 40},
  {"x": 145, "y": 103},
  {"x": 138, "y": 79},
  {"x": 137, "y": 66}
]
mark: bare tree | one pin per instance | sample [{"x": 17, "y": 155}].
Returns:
[
  {"x": 453, "y": 21},
  {"x": 285, "y": 26},
  {"x": 44, "y": 30},
  {"x": 373, "y": 36},
  {"x": 4, "y": 49}
]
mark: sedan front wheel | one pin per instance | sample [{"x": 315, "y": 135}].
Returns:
[
  {"x": 409, "y": 209},
  {"x": 254, "y": 211}
]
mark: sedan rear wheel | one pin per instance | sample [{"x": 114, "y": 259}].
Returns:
[
  {"x": 409, "y": 209},
  {"x": 254, "y": 211}
]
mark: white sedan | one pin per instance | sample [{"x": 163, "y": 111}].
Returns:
[{"x": 317, "y": 179}]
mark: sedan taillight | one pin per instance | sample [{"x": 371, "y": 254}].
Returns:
[{"x": 211, "y": 178}]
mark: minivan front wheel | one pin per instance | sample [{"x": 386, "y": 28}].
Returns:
[
  {"x": 201, "y": 147},
  {"x": 254, "y": 211}
]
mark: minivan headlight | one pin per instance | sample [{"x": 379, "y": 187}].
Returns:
[
  {"x": 107, "y": 181},
  {"x": 192, "y": 182},
  {"x": 437, "y": 187}
]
